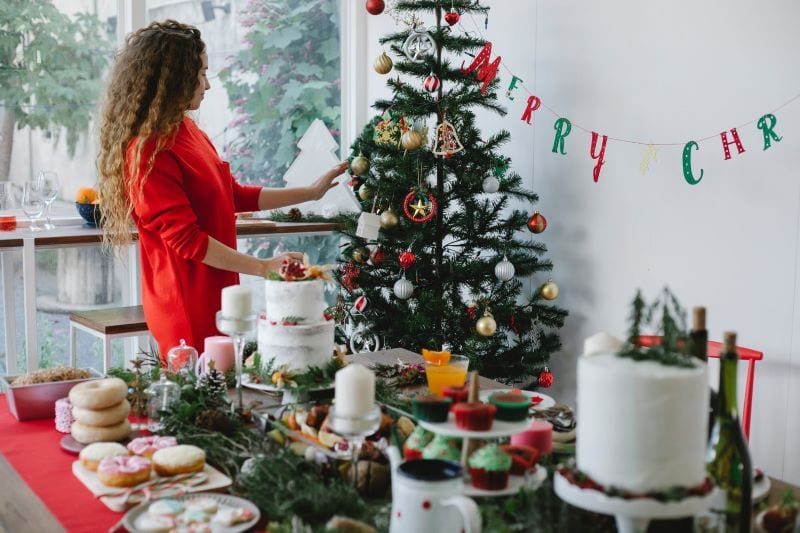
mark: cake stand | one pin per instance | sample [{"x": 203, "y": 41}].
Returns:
[
  {"x": 290, "y": 396},
  {"x": 515, "y": 484},
  {"x": 632, "y": 516}
]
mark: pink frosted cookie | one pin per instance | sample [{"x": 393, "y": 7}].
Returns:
[
  {"x": 124, "y": 470},
  {"x": 147, "y": 446}
]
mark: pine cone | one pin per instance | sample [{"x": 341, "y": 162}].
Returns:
[
  {"x": 214, "y": 420},
  {"x": 295, "y": 215}
]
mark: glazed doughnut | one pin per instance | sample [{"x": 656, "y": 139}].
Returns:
[
  {"x": 109, "y": 416},
  {"x": 147, "y": 446},
  {"x": 98, "y": 394},
  {"x": 88, "y": 434},
  {"x": 180, "y": 459},
  {"x": 123, "y": 471},
  {"x": 91, "y": 456}
]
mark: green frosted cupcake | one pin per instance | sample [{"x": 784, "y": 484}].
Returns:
[
  {"x": 431, "y": 408},
  {"x": 442, "y": 447},
  {"x": 416, "y": 442},
  {"x": 489, "y": 468},
  {"x": 511, "y": 407}
]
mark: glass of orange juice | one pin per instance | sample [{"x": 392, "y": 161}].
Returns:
[{"x": 446, "y": 373}]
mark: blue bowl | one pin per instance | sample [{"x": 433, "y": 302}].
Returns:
[{"x": 90, "y": 213}]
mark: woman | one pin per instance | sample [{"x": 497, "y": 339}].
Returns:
[{"x": 156, "y": 166}]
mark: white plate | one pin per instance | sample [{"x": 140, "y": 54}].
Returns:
[
  {"x": 129, "y": 520},
  {"x": 760, "y": 492},
  {"x": 546, "y": 403},
  {"x": 500, "y": 428},
  {"x": 515, "y": 483},
  {"x": 250, "y": 384}
]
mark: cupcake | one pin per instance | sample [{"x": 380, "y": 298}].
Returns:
[
  {"x": 511, "y": 407},
  {"x": 419, "y": 438},
  {"x": 489, "y": 468},
  {"x": 522, "y": 457},
  {"x": 457, "y": 394},
  {"x": 475, "y": 416},
  {"x": 431, "y": 408},
  {"x": 442, "y": 447}
]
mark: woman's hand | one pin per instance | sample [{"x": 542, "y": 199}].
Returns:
[
  {"x": 273, "y": 264},
  {"x": 325, "y": 182}
]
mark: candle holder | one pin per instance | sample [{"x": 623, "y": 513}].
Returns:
[
  {"x": 237, "y": 328},
  {"x": 355, "y": 429}
]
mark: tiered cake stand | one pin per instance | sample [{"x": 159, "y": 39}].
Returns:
[
  {"x": 499, "y": 429},
  {"x": 632, "y": 516}
]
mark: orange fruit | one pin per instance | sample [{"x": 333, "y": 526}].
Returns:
[
  {"x": 86, "y": 195},
  {"x": 435, "y": 358}
]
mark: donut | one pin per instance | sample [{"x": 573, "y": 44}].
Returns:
[
  {"x": 180, "y": 459},
  {"x": 123, "y": 471},
  {"x": 91, "y": 456},
  {"x": 98, "y": 393},
  {"x": 89, "y": 434},
  {"x": 147, "y": 446},
  {"x": 109, "y": 416}
]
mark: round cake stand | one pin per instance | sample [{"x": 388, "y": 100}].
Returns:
[
  {"x": 290, "y": 396},
  {"x": 632, "y": 516}
]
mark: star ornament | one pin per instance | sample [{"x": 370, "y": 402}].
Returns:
[{"x": 418, "y": 208}]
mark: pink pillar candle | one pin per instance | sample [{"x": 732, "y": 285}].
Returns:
[
  {"x": 220, "y": 349},
  {"x": 540, "y": 436}
]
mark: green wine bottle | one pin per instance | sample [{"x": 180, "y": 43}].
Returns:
[{"x": 728, "y": 458}]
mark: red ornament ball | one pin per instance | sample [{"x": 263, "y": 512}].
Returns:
[
  {"x": 375, "y": 7},
  {"x": 452, "y": 17},
  {"x": 407, "y": 259},
  {"x": 432, "y": 83},
  {"x": 537, "y": 223},
  {"x": 546, "y": 379}
]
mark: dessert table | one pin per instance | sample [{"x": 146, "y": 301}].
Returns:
[{"x": 39, "y": 492}]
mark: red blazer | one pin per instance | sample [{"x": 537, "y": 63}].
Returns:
[{"x": 189, "y": 195}]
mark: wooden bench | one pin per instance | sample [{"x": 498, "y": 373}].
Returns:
[{"x": 106, "y": 324}]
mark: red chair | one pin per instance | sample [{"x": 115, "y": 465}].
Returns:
[{"x": 745, "y": 354}]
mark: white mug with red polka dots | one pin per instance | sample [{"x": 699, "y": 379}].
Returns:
[{"x": 426, "y": 498}]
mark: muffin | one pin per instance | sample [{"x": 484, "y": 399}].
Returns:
[
  {"x": 91, "y": 456},
  {"x": 457, "y": 394},
  {"x": 419, "y": 438},
  {"x": 489, "y": 468},
  {"x": 522, "y": 457},
  {"x": 431, "y": 408},
  {"x": 511, "y": 407},
  {"x": 442, "y": 447},
  {"x": 180, "y": 459},
  {"x": 475, "y": 416}
]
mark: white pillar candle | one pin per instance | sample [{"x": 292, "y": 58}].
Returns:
[
  {"x": 237, "y": 302},
  {"x": 601, "y": 343},
  {"x": 355, "y": 391}
]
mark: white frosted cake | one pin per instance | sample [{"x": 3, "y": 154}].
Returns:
[
  {"x": 294, "y": 331},
  {"x": 642, "y": 425}
]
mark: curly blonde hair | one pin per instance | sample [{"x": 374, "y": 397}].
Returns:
[{"x": 150, "y": 88}]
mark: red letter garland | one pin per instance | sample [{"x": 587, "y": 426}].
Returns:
[
  {"x": 726, "y": 143},
  {"x": 600, "y": 157},
  {"x": 420, "y": 211},
  {"x": 533, "y": 104},
  {"x": 486, "y": 70}
]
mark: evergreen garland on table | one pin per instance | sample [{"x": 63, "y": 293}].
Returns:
[{"x": 470, "y": 232}]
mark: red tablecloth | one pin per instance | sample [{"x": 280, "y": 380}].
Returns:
[{"x": 32, "y": 448}]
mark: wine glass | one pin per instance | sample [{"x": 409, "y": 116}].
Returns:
[
  {"x": 33, "y": 202},
  {"x": 50, "y": 189}
]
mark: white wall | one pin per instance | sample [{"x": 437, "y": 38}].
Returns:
[{"x": 663, "y": 72}]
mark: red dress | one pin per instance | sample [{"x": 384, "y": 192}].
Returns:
[{"x": 189, "y": 195}]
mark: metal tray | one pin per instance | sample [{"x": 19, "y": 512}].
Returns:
[{"x": 31, "y": 402}]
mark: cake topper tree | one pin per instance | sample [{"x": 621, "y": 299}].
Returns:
[{"x": 447, "y": 266}]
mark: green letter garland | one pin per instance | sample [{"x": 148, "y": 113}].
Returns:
[
  {"x": 726, "y": 145},
  {"x": 562, "y": 126},
  {"x": 687, "y": 163},
  {"x": 766, "y": 130},
  {"x": 512, "y": 86},
  {"x": 533, "y": 104},
  {"x": 600, "y": 157}
]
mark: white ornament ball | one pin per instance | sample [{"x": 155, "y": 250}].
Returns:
[
  {"x": 491, "y": 185},
  {"x": 403, "y": 289},
  {"x": 504, "y": 270}
]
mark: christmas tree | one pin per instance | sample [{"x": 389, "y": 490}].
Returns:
[{"x": 447, "y": 266}]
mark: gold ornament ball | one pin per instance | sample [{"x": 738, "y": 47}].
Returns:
[
  {"x": 411, "y": 140},
  {"x": 364, "y": 192},
  {"x": 383, "y": 64},
  {"x": 549, "y": 291},
  {"x": 359, "y": 166},
  {"x": 486, "y": 325},
  {"x": 389, "y": 219},
  {"x": 360, "y": 255}
]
